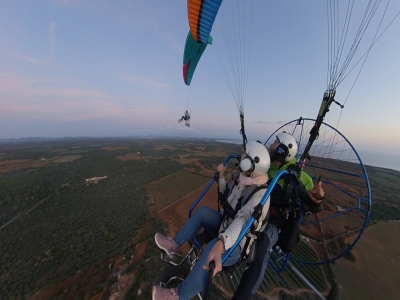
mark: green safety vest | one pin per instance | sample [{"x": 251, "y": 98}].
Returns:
[{"x": 304, "y": 177}]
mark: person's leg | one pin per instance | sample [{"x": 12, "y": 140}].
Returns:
[
  {"x": 197, "y": 279},
  {"x": 205, "y": 217},
  {"x": 254, "y": 274}
]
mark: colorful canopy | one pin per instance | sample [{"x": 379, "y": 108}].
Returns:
[
  {"x": 201, "y": 15},
  {"x": 191, "y": 56}
]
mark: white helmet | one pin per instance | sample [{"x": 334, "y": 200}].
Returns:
[
  {"x": 257, "y": 159},
  {"x": 287, "y": 149}
]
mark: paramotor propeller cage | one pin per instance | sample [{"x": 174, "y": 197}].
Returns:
[{"x": 334, "y": 231}]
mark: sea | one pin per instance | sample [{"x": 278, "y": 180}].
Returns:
[{"x": 369, "y": 158}]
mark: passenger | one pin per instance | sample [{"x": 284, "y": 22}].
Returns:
[
  {"x": 283, "y": 156},
  {"x": 224, "y": 227}
]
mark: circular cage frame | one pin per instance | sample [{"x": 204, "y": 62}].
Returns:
[{"x": 367, "y": 212}]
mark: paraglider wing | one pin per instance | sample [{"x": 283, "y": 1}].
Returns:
[
  {"x": 201, "y": 16},
  {"x": 191, "y": 56}
]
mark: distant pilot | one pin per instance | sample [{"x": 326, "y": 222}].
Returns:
[{"x": 186, "y": 117}]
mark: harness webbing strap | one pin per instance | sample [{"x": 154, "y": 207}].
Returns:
[
  {"x": 246, "y": 195},
  {"x": 244, "y": 250}
]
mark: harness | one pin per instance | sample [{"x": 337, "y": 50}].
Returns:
[
  {"x": 285, "y": 212},
  {"x": 230, "y": 212},
  {"x": 247, "y": 193}
]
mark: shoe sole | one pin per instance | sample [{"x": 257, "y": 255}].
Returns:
[{"x": 162, "y": 248}]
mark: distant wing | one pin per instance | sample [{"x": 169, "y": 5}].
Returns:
[
  {"x": 191, "y": 56},
  {"x": 201, "y": 16}
]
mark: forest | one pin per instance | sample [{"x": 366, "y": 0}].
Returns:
[{"x": 54, "y": 224}]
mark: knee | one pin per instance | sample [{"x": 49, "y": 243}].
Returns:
[{"x": 202, "y": 211}]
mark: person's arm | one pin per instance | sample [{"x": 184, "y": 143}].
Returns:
[
  {"x": 307, "y": 197},
  {"x": 221, "y": 180},
  {"x": 310, "y": 194},
  {"x": 317, "y": 192},
  {"x": 215, "y": 255},
  {"x": 228, "y": 238}
]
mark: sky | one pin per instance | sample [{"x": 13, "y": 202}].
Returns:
[{"x": 114, "y": 68}]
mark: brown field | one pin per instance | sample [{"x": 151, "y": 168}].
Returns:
[
  {"x": 341, "y": 223},
  {"x": 11, "y": 165},
  {"x": 114, "y": 148},
  {"x": 13, "y": 162},
  {"x": 161, "y": 147},
  {"x": 375, "y": 274},
  {"x": 170, "y": 189},
  {"x": 65, "y": 158},
  {"x": 146, "y": 229},
  {"x": 130, "y": 156},
  {"x": 176, "y": 215},
  {"x": 59, "y": 150},
  {"x": 312, "y": 230},
  {"x": 204, "y": 172},
  {"x": 18, "y": 164}
]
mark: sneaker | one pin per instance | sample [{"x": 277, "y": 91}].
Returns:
[
  {"x": 160, "y": 293},
  {"x": 165, "y": 243}
]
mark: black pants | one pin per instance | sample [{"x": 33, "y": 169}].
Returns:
[{"x": 249, "y": 284}]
